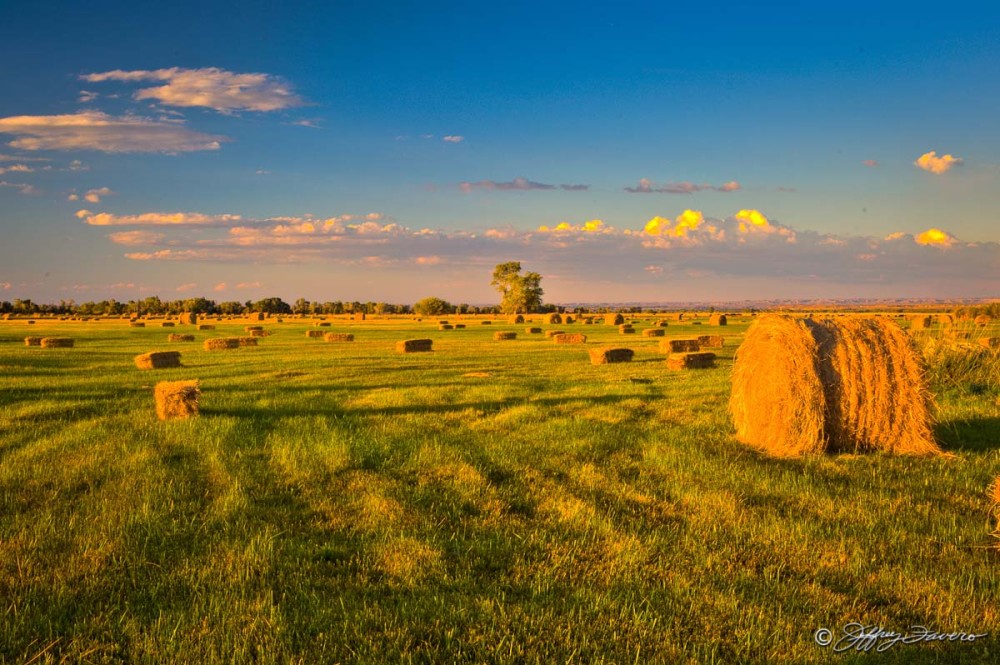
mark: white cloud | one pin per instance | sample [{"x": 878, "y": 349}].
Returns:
[
  {"x": 94, "y": 130},
  {"x": 210, "y": 87},
  {"x": 87, "y": 96},
  {"x": 453, "y": 139},
  {"x": 929, "y": 161}
]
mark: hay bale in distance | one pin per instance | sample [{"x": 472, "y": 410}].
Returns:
[
  {"x": 459, "y": 326},
  {"x": 32, "y": 341},
  {"x": 174, "y": 337},
  {"x": 446, "y": 326},
  {"x": 251, "y": 329},
  {"x": 485, "y": 323},
  {"x": 322, "y": 324},
  {"x": 137, "y": 324},
  {"x": 188, "y": 318},
  {"x": 920, "y": 322},
  {"x": 847, "y": 384},
  {"x": 695, "y": 360},
  {"x": 158, "y": 360},
  {"x": 56, "y": 343},
  {"x": 516, "y": 319},
  {"x": 502, "y": 335},
  {"x": 552, "y": 333},
  {"x": 552, "y": 319},
  {"x": 338, "y": 337},
  {"x": 219, "y": 343},
  {"x": 533, "y": 331},
  {"x": 567, "y": 319},
  {"x": 570, "y": 338},
  {"x": 653, "y": 332},
  {"x": 679, "y": 345},
  {"x": 711, "y": 341},
  {"x": 247, "y": 341},
  {"x": 414, "y": 345},
  {"x": 314, "y": 333},
  {"x": 982, "y": 320},
  {"x": 608, "y": 354},
  {"x": 614, "y": 320},
  {"x": 626, "y": 329},
  {"x": 259, "y": 333},
  {"x": 990, "y": 342},
  {"x": 359, "y": 316},
  {"x": 206, "y": 326},
  {"x": 718, "y": 320},
  {"x": 167, "y": 324},
  {"x": 176, "y": 399}
]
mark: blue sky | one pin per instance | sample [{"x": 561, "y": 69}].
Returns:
[{"x": 353, "y": 151}]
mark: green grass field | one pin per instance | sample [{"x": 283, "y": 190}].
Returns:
[{"x": 489, "y": 502}]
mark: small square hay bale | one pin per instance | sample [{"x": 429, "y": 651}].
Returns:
[
  {"x": 167, "y": 324},
  {"x": 248, "y": 341},
  {"x": 446, "y": 326},
  {"x": 251, "y": 329},
  {"x": 662, "y": 324},
  {"x": 259, "y": 333},
  {"x": 314, "y": 333},
  {"x": 414, "y": 345},
  {"x": 158, "y": 360},
  {"x": 552, "y": 333},
  {"x": 486, "y": 323},
  {"x": 322, "y": 324},
  {"x": 653, "y": 332},
  {"x": 442, "y": 322},
  {"x": 552, "y": 319},
  {"x": 614, "y": 320},
  {"x": 718, "y": 320},
  {"x": 702, "y": 360},
  {"x": 219, "y": 343},
  {"x": 459, "y": 326},
  {"x": 990, "y": 342},
  {"x": 501, "y": 335},
  {"x": 32, "y": 341},
  {"x": 516, "y": 319},
  {"x": 188, "y": 318},
  {"x": 57, "y": 343},
  {"x": 206, "y": 326},
  {"x": 176, "y": 399},
  {"x": 626, "y": 329},
  {"x": 711, "y": 341},
  {"x": 338, "y": 337},
  {"x": 174, "y": 337},
  {"x": 679, "y": 345},
  {"x": 570, "y": 338},
  {"x": 533, "y": 331},
  {"x": 696, "y": 323},
  {"x": 260, "y": 316},
  {"x": 359, "y": 316},
  {"x": 609, "y": 355},
  {"x": 137, "y": 324},
  {"x": 31, "y": 323}
]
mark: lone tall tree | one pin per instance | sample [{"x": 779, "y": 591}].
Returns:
[{"x": 518, "y": 293}]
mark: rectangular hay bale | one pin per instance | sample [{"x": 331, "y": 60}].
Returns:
[
  {"x": 32, "y": 341},
  {"x": 502, "y": 335},
  {"x": 694, "y": 360},
  {"x": 711, "y": 341},
  {"x": 56, "y": 343},
  {"x": 414, "y": 345},
  {"x": 174, "y": 337},
  {"x": 570, "y": 338},
  {"x": 338, "y": 337},
  {"x": 176, "y": 399},
  {"x": 218, "y": 343},
  {"x": 158, "y": 360},
  {"x": 607, "y": 355},
  {"x": 653, "y": 332},
  {"x": 679, "y": 345}
]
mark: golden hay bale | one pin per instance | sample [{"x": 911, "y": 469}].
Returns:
[
  {"x": 176, "y": 399},
  {"x": 990, "y": 342},
  {"x": 982, "y": 320},
  {"x": 359, "y": 316},
  {"x": 626, "y": 329},
  {"x": 516, "y": 319},
  {"x": 137, "y": 324},
  {"x": 711, "y": 341},
  {"x": 188, "y": 318},
  {"x": 414, "y": 345},
  {"x": 443, "y": 322},
  {"x": 570, "y": 338},
  {"x": 218, "y": 343},
  {"x": 920, "y": 322},
  {"x": 695, "y": 360},
  {"x": 678, "y": 345},
  {"x": 32, "y": 341},
  {"x": 567, "y": 319},
  {"x": 679, "y": 316},
  {"x": 322, "y": 324},
  {"x": 247, "y": 341},
  {"x": 259, "y": 333},
  {"x": 167, "y": 324},
  {"x": 260, "y": 316},
  {"x": 552, "y": 333},
  {"x": 485, "y": 323},
  {"x": 206, "y": 326},
  {"x": 56, "y": 343},
  {"x": 718, "y": 320},
  {"x": 446, "y": 326},
  {"x": 30, "y": 322},
  {"x": 338, "y": 337},
  {"x": 653, "y": 332},
  {"x": 609, "y": 355},
  {"x": 158, "y": 360},
  {"x": 614, "y": 320},
  {"x": 251, "y": 329},
  {"x": 459, "y": 326},
  {"x": 533, "y": 331},
  {"x": 314, "y": 333},
  {"x": 552, "y": 319},
  {"x": 946, "y": 320},
  {"x": 174, "y": 337},
  {"x": 851, "y": 384},
  {"x": 661, "y": 324},
  {"x": 502, "y": 335}
]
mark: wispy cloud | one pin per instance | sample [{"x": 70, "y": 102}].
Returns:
[
  {"x": 138, "y": 237},
  {"x": 21, "y": 187},
  {"x": 16, "y": 168},
  {"x": 221, "y": 286},
  {"x": 94, "y": 130},
  {"x": 929, "y": 161},
  {"x": 155, "y": 219},
  {"x": 210, "y": 87},
  {"x": 22, "y": 158},
  {"x": 87, "y": 96},
  {"x": 517, "y": 184},
  {"x": 646, "y": 186},
  {"x": 870, "y": 163},
  {"x": 190, "y": 286},
  {"x": 453, "y": 139},
  {"x": 94, "y": 195}
]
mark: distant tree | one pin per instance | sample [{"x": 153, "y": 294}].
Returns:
[
  {"x": 518, "y": 293},
  {"x": 432, "y": 307},
  {"x": 272, "y": 306},
  {"x": 230, "y": 308},
  {"x": 301, "y": 306}
]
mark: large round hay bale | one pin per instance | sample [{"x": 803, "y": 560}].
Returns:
[
  {"x": 552, "y": 319},
  {"x": 188, "y": 318},
  {"x": 614, "y": 320},
  {"x": 516, "y": 319},
  {"x": 718, "y": 320},
  {"x": 982, "y": 320},
  {"x": 851, "y": 384}
]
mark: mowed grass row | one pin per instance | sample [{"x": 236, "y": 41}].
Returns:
[{"x": 486, "y": 502}]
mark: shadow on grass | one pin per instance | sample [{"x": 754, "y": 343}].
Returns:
[{"x": 969, "y": 435}]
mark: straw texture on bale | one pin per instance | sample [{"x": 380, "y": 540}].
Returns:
[
  {"x": 552, "y": 333},
  {"x": 614, "y": 319},
  {"x": 338, "y": 337},
  {"x": 570, "y": 338},
  {"x": 851, "y": 384},
  {"x": 176, "y": 399},
  {"x": 533, "y": 331},
  {"x": 188, "y": 318},
  {"x": 609, "y": 355},
  {"x": 359, "y": 316},
  {"x": 653, "y": 332},
  {"x": 679, "y": 345},
  {"x": 990, "y": 342},
  {"x": 718, "y": 320},
  {"x": 695, "y": 360},
  {"x": 502, "y": 335},
  {"x": 137, "y": 324},
  {"x": 920, "y": 322},
  {"x": 982, "y": 320},
  {"x": 414, "y": 345},
  {"x": 174, "y": 337},
  {"x": 516, "y": 319},
  {"x": 167, "y": 324},
  {"x": 314, "y": 333},
  {"x": 711, "y": 341},
  {"x": 158, "y": 360},
  {"x": 218, "y": 343},
  {"x": 32, "y": 341},
  {"x": 552, "y": 319},
  {"x": 206, "y": 326},
  {"x": 57, "y": 343},
  {"x": 626, "y": 329},
  {"x": 248, "y": 341}
]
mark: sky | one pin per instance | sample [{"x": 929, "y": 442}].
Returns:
[{"x": 626, "y": 151}]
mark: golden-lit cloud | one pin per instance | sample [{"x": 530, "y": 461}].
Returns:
[
  {"x": 138, "y": 237},
  {"x": 929, "y": 161},
  {"x": 209, "y": 87},
  {"x": 221, "y": 286},
  {"x": 936, "y": 237},
  {"x": 593, "y": 226},
  {"x": 94, "y": 195},
  {"x": 154, "y": 219},
  {"x": 94, "y": 130},
  {"x": 687, "y": 221},
  {"x": 190, "y": 286},
  {"x": 16, "y": 168}
]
